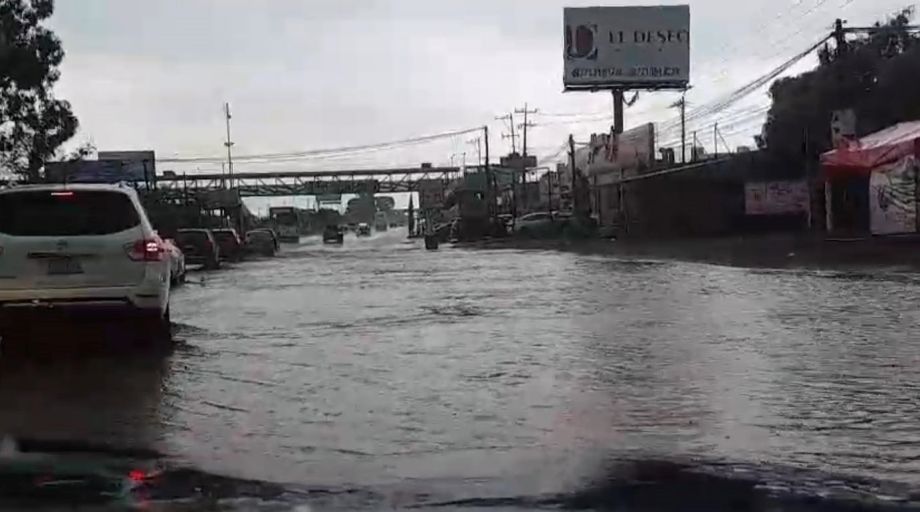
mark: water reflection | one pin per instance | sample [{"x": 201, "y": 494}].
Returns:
[{"x": 109, "y": 401}]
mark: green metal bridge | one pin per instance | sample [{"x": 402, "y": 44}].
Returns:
[{"x": 307, "y": 183}]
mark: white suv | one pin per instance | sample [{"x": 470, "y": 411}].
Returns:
[{"x": 82, "y": 250}]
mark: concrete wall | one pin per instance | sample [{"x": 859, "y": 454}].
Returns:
[{"x": 702, "y": 201}]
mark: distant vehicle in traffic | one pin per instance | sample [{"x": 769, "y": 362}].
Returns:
[
  {"x": 261, "y": 242},
  {"x": 363, "y": 229},
  {"x": 177, "y": 261},
  {"x": 275, "y": 238},
  {"x": 333, "y": 235},
  {"x": 81, "y": 249},
  {"x": 231, "y": 247},
  {"x": 286, "y": 221},
  {"x": 380, "y": 221},
  {"x": 542, "y": 224},
  {"x": 199, "y": 247}
]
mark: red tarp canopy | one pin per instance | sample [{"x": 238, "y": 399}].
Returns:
[{"x": 882, "y": 147}]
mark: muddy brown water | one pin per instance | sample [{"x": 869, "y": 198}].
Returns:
[{"x": 379, "y": 374}]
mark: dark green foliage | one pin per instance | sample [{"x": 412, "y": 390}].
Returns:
[
  {"x": 878, "y": 75},
  {"x": 33, "y": 123}
]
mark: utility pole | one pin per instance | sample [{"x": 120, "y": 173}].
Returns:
[
  {"x": 682, "y": 105},
  {"x": 490, "y": 190},
  {"x": 525, "y": 125},
  {"x": 696, "y": 143},
  {"x": 572, "y": 168},
  {"x": 510, "y": 119},
  {"x": 229, "y": 144},
  {"x": 715, "y": 140},
  {"x": 839, "y": 37}
]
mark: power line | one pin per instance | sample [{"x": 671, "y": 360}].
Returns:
[{"x": 329, "y": 151}]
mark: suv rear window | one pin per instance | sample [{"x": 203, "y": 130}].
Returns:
[{"x": 66, "y": 213}]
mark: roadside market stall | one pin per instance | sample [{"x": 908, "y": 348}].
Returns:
[{"x": 871, "y": 184}]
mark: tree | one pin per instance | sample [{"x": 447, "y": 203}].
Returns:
[
  {"x": 876, "y": 75},
  {"x": 33, "y": 123}
]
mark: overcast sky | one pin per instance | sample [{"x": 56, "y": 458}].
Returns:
[{"x": 301, "y": 74}]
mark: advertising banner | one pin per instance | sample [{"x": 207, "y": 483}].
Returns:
[
  {"x": 214, "y": 199},
  {"x": 776, "y": 197},
  {"x": 93, "y": 171},
  {"x": 608, "y": 156},
  {"x": 430, "y": 194},
  {"x": 627, "y": 47},
  {"x": 135, "y": 165},
  {"x": 893, "y": 198}
]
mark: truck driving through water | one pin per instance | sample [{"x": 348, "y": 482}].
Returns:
[{"x": 286, "y": 221}]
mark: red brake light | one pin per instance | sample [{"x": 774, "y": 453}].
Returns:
[{"x": 148, "y": 249}]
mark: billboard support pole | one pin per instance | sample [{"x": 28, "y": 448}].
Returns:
[
  {"x": 683, "y": 129},
  {"x": 618, "y": 111}
]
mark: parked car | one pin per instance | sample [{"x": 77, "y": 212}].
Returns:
[
  {"x": 176, "y": 261},
  {"x": 333, "y": 234},
  {"x": 275, "y": 239},
  {"x": 364, "y": 229},
  {"x": 231, "y": 247},
  {"x": 85, "y": 250},
  {"x": 261, "y": 242},
  {"x": 199, "y": 247},
  {"x": 541, "y": 224}
]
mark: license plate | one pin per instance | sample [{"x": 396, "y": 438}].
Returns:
[{"x": 64, "y": 266}]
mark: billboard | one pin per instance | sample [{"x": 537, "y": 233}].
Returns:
[
  {"x": 93, "y": 171},
  {"x": 139, "y": 165},
  {"x": 516, "y": 161},
  {"x": 431, "y": 194},
  {"x": 214, "y": 199},
  {"x": 776, "y": 197},
  {"x": 627, "y": 47},
  {"x": 609, "y": 155}
]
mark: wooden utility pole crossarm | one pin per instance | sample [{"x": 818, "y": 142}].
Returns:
[{"x": 526, "y": 124}]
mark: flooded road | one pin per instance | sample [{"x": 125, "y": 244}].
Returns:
[{"x": 382, "y": 374}]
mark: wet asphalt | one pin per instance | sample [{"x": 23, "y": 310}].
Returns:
[{"x": 380, "y": 375}]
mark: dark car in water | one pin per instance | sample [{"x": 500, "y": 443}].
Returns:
[
  {"x": 333, "y": 234},
  {"x": 231, "y": 247},
  {"x": 262, "y": 242},
  {"x": 199, "y": 247}
]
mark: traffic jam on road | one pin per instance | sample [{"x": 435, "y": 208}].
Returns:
[{"x": 88, "y": 252}]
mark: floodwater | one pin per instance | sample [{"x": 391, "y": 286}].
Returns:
[{"x": 380, "y": 375}]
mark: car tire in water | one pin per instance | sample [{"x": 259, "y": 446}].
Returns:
[{"x": 154, "y": 332}]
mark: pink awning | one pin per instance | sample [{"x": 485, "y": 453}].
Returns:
[{"x": 882, "y": 147}]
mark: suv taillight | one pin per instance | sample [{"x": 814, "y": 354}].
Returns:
[{"x": 148, "y": 249}]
